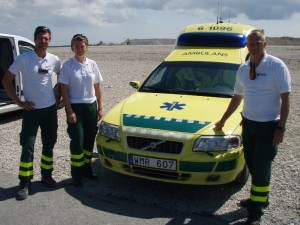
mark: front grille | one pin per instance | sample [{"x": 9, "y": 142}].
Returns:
[{"x": 154, "y": 145}]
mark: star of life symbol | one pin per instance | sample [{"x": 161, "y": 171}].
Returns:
[{"x": 174, "y": 105}]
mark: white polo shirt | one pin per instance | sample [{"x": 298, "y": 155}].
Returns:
[
  {"x": 80, "y": 79},
  {"x": 262, "y": 100},
  {"x": 37, "y": 77}
]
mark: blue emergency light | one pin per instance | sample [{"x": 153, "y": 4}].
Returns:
[{"x": 212, "y": 39}]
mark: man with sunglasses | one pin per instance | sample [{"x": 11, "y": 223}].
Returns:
[
  {"x": 264, "y": 83},
  {"x": 39, "y": 107}
]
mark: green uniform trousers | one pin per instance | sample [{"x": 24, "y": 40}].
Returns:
[
  {"x": 46, "y": 120},
  {"x": 259, "y": 154},
  {"x": 82, "y": 135}
]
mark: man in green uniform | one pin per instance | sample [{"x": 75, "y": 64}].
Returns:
[
  {"x": 264, "y": 83},
  {"x": 39, "y": 107}
]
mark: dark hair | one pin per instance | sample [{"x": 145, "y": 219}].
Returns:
[
  {"x": 41, "y": 29},
  {"x": 79, "y": 37}
]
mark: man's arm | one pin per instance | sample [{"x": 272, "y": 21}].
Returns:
[
  {"x": 233, "y": 105},
  {"x": 284, "y": 113},
  {"x": 285, "y": 108},
  {"x": 7, "y": 82}
]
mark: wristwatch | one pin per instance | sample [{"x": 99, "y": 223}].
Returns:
[{"x": 282, "y": 129}]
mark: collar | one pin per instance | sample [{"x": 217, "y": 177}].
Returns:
[
  {"x": 248, "y": 62},
  {"x": 45, "y": 58},
  {"x": 79, "y": 63}
]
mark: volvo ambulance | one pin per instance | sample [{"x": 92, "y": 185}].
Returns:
[{"x": 165, "y": 130}]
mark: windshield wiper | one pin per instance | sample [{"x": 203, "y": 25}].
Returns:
[
  {"x": 155, "y": 89},
  {"x": 182, "y": 92},
  {"x": 213, "y": 94}
]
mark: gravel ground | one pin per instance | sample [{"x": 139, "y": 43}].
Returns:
[{"x": 121, "y": 64}]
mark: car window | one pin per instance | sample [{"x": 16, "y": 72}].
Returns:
[
  {"x": 155, "y": 79},
  {"x": 25, "y": 47},
  {"x": 6, "y": 57},
  {"x": 195, "y": 78}
]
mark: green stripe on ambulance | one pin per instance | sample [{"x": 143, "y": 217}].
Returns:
[{"x": 163, "y": 123}]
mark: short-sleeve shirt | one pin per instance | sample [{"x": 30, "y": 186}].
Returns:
[
  {"x": 262, "y": 100},
  {"x": 37, "y": 77},
  {"x": 80, "y": 79}
]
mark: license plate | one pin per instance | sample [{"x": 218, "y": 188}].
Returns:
[{"x": 157, "y": 163}]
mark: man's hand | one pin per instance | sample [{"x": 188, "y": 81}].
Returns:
[
  {"x": 26, "y": 105},
  {"x": 219, "y": 125},
  {"x": 100, "y": 114},
  {"x": 72, "y": 118},
  {"x": 277, "y": 137}
]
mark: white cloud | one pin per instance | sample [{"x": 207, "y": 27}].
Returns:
[{"x": 113, "y": 20}]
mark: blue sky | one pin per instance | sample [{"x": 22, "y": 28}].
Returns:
[{"x": 116, "y": 20}]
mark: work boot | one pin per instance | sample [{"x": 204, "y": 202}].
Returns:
[
  {"x": 88, "y": 173},
  {"x": 77, "y": 182},
  {"x": 252, "y": 221},
  {"x": 246, "y": 203},
  {"x": 49, "y": 181},
  {"x": 24, "y": 190},
  {"x": 22, "y": 194}
]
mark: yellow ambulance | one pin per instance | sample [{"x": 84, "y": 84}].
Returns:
[{"x": 165, "y": 130}]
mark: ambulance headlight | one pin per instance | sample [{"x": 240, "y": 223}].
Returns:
[
  {"x": 217, "y": 143},
  {"x": 110, "y": 131}
]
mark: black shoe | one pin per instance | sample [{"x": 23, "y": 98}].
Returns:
[
  {"x": 22, "y": 194},
  {"x": 49, "y": 182},
  {"x": 77, "y": 183},
  {"x": 252, "y": 221},
  {"x": 245, "y": 203},
  {"x": 90, "y": 175}
]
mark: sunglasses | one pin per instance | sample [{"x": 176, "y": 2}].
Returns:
[
  {"x": 40, "y": 29},
  {"x": 42, "y": 71},
  {"x": 252, "y": 74},
  {"x": 81, "y": 36}
]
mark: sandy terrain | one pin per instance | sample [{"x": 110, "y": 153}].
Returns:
[{"x": 121, "y": 64}]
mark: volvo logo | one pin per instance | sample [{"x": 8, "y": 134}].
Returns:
[{"x": 152, "y": 145}]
